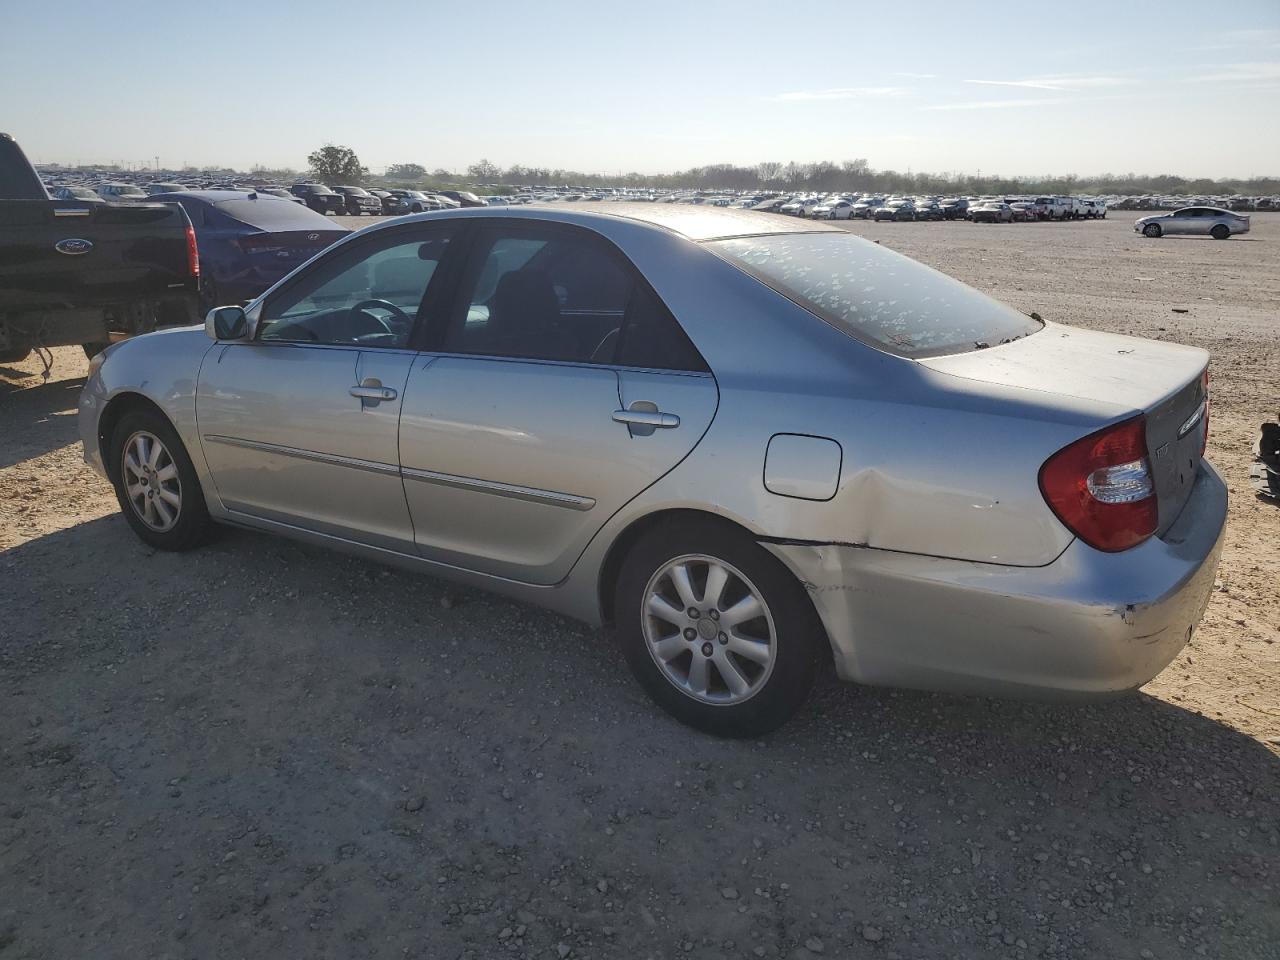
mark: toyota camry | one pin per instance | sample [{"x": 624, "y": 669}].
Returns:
[{"x": 744, "y": 444}]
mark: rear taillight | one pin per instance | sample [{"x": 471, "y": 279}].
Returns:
[
  {"x": 1101, "y": 487},
  {"x": 1204, "y": 442},
  {"x": 193, "y": 253}
]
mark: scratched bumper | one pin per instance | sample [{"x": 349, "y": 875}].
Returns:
[{"x": 1089, "y": 623}]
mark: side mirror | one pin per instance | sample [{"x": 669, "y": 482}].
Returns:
[{"x": 226, "y": 323}]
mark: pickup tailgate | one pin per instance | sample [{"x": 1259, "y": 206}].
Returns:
[
  {"x": 1163, "y": 380},
  {"x": 63, "y": 254}
]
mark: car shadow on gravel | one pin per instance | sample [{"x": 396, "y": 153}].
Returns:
[
  {"x": 37, "y": 419},
  {"x": 262, "y": 748}
]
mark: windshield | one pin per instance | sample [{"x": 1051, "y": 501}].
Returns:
[
  {"x": 128, "y": 192},
  {"x": 876, "y": 295}
]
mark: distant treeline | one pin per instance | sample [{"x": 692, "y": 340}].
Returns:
[
  {"x": 822, "y": 176},
  {"x": 857, "y": 175}
]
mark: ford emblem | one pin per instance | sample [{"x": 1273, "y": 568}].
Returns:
[{"x": 73, "y": 246}]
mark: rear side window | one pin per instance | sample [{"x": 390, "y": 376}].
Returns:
[
  {"x": 652, "y": 338},
  {"x": 876, "y": 295},
  {"x": 547, "y": 295},
  {"x": 555, "y": 294}
]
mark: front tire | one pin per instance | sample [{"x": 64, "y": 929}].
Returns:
[
  {"x": 156, "y": 483},
  {"x": 745, "y": 662},
  {"x": 1152, "y": 231}
]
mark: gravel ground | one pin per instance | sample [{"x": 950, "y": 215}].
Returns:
[{"x": 265, "y": 750}]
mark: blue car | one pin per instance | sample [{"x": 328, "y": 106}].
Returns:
[{"x": 249, "y": 240}]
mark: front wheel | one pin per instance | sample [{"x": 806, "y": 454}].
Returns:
[
  {"x": 1152, "y": 230},
  {"x": 715, "y": 628},
  {"x": 156, "y": 483},
  {"x": 1220, "y": 232}
]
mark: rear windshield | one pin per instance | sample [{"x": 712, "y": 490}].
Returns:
[
  {"x": 876, "y": 295},
  {"x": 272, "y": 213}
]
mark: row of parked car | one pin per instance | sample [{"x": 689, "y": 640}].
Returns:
[
  {"x": 978, "y": 209},
  {"x": 339, "y": 200},
  {"x": 1180, "y": 201}
]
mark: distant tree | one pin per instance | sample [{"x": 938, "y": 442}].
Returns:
[
  {"x": 332, "y": 165},
  {"x": 484, "y": 171},
  {"x": 406, "y": 171}
]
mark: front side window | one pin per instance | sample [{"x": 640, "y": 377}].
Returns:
[
  {"x": 363, "y": 296},
  {"x": 876, "y": 295},
  {"x": 554, "y": 294}
]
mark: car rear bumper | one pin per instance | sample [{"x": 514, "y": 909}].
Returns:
[{"x": 1090, "y": 623}]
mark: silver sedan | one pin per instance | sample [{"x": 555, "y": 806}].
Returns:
[
  {"x": 745, "y": 443},
  {"x": 1193, "y": 221}
]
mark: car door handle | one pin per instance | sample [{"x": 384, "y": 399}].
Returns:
[
  {"x": 647, "y": 418},
  {"x": 373, "y": 393}
]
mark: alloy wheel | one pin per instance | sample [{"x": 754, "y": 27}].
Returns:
[
  {"x": 709, "y": 629},
  {"x": 151, "y": 482}
]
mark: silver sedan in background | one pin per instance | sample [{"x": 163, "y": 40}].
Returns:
[
  {"x": 745, "y": 443},
  {"x": 1193, "y": 221}
]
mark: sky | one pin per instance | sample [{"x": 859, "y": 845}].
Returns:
[{"x": 1018, "y": 88}]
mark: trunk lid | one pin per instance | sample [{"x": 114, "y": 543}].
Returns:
[
  {"x": 1130, "y": 375},
  {"x": 284, "y": 250}
]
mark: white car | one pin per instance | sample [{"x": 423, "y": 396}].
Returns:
[{"x": 834, "y": 210}]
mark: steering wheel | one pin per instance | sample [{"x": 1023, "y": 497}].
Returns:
[{"x": 383, "y": 305}]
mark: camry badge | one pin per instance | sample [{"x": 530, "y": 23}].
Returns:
[{"x": 73, "y": 246}]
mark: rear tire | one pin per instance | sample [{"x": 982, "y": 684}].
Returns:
[
  {"x": 1220, "y": 232},
  {"x": 1152, "y": 231},
  {"x": 177, "y": 518},
  {"x": 718, "y": 681},
  {"x": 15, "y": 356}
]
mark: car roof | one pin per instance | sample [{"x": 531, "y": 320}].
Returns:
[
  {"x": 696, "y": 222},
  {"x": 217, "y": 196}
]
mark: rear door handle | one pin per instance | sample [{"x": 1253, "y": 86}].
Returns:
[
  {"x": 647, "y": 418},
  {"x": 373, "y": 393}
]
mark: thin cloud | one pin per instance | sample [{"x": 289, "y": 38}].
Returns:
[
  {"x": 1242, "y": 73},
  {"x": 916, "y": 76},
  {"x": 999, "y": 104},
  {"x": 843, "y": 93},
  {"x": 1057, "y": 83},
  {"x": 1234, "y": 39}
]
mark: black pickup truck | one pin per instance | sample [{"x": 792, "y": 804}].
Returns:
[{"x": 87, "y": 273}]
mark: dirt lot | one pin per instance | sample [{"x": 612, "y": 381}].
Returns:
[{"x": 264, "y": 750}]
